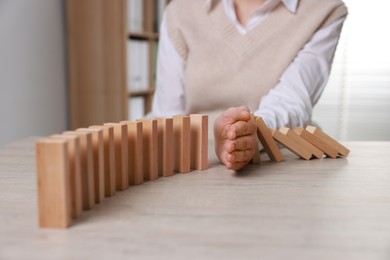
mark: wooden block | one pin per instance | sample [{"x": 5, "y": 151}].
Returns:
[
  {"x": 256, "y": 157},
  {"x": 199, "y": 141},
  {"x": 165, "y": 146},
  {"x": 181, "y": 140},
  {"x": 135, "y": 152},
  {"x": 303, "y": 142},
  {"x": 121, "y": 155},
  {"x": 266, "y": 139},
  {"x": 87, "y": 172},
  {"x": 150, "y": 146},
  {"x": 316, "y": 141},
  {"x": 291, "y": 145},
  {"x": 342, "y": 150},
  {"x": 73, "y": 142},
  {"x": 54, "y": 194},
  {"x": 109, "y": 159},
  {"x": 98, "y": 161}
]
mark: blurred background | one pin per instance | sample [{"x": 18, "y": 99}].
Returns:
[{"x": 44, "y": 89}]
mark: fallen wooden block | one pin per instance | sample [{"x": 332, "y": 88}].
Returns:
[
  {"x": 165, "y": 146},
  {"x": 199, "y": 141},
  {"x": 121, "y": 155},
  {"x": 109, "y": 159},
  {"x": 135, "y": 151},
  {"x": 266, "y": 139},
  {"x": 302, "y": 142},
  {"x": 54, "y": 194},
  {"x": 73, "y": 142},
  {"x": 342, "y": 150},
  {"x": 316, "y": 141},
  {"x": 181, "y": 132},
  {"x": 149, "y": 133},
  {"x": 294, "y": 147}
]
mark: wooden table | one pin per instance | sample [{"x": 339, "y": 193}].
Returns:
[{"x": 296, "y": 209}]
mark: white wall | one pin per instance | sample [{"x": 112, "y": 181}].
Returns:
[{"x": 32, "y": 69}]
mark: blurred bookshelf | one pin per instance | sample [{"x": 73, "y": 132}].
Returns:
[{"x": 143, "y": 23}]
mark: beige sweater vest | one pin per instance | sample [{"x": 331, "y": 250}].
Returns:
[{"x": 223, "y": 67}]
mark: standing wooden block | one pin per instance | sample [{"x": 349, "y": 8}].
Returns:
[
  {"x": 199, "y": 141},
  {"x": 87, "y": 172},
  {"x": 73, "y": 142},
  {"x": 291, "y": 145},
  {"x": 303, "y": 142},
  {"x": 135, "y": 152},
  {"x": 165, "y": 146},
  {"x": 342, "y": 150},
  {"x": 256, "y": 157},
  {"x": 266, "y": 139},
  {"x": 181, "y": 133},
  {"x": 316, "y": 141},
  {"x": 98, "y": 161},
  {"x": 54, "y": 195},
  {"x": 109, "y": 159},
  {"x": 149, "y": 133},
  {"x": 121, "y": 155}
]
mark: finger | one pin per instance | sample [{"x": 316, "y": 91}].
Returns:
[
  {"x": 240, "y": 156},
  {"x": 241, "y": 128},
  {"x": 241, "y": 144},
  {"x": 235, "y": 114}
]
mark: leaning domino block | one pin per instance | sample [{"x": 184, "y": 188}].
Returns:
[
  {"x": 266, "y": 139},
  {"x": 341, "y": 150},
  {"x": 291, "y": 145},
  {"x": 54, "y": 194},
  {"x": 316, "y": 141},
  {"x": 302, "y": 142},
  {"x": 199, "y": 141}
]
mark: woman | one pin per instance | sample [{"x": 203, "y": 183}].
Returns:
[{"x": 226, "y": 58}]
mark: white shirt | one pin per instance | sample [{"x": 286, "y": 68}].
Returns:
[{"x": 289, "y": 103}]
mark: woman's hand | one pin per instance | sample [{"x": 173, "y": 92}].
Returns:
[{"x": 235, "y": 137}]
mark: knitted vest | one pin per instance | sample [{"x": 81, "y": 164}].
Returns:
[{"x": 223, "y": 67}]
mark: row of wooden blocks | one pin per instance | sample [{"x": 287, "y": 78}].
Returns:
[
  {"x": 306, "y": 143},
  {"x": 77, "y": 169}
]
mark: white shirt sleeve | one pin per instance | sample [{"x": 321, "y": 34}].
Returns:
[
  {"x": 168, "y": 98},
  {"x": 289, "y": 103}
]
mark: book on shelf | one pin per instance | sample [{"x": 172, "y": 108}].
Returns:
[
  {"x": 138, "y": 65},
  {"x": 135, "y": 15},
  {"x": 136, "y": 108}
]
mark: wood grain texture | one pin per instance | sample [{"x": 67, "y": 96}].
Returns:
[
  {"x": 54, "y": 193},
  {"x": 296, "y": 209}
]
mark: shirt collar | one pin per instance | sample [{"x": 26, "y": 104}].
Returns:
[{"x": 291, "y": 5}]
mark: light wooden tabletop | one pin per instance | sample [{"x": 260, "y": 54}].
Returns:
[{"x": 296, "y": 209}]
